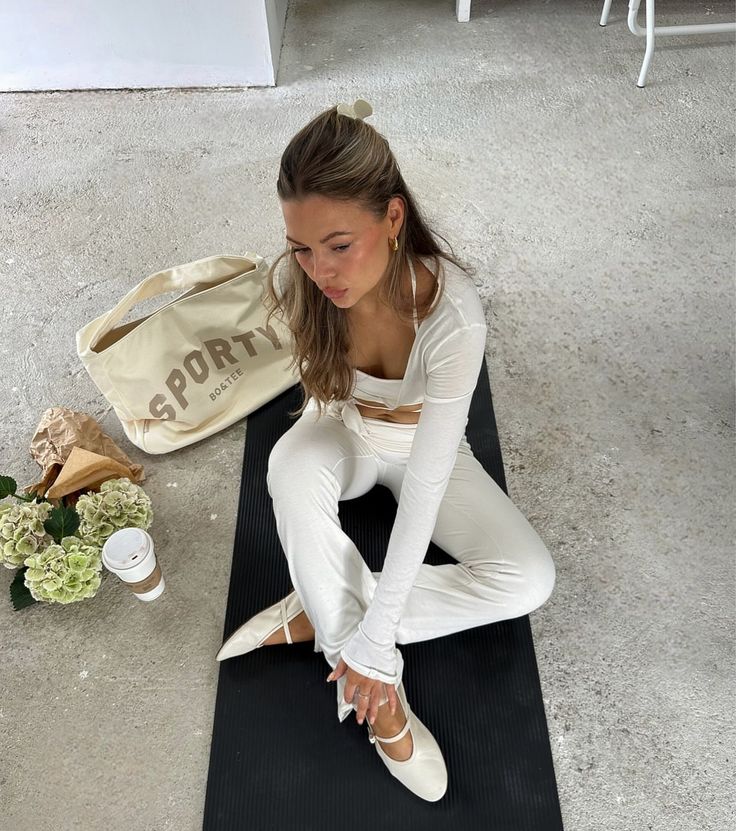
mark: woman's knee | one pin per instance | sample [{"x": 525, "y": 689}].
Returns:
[
  {"x": 533, "y": 576},
  {"x": 541, "y": 577},
  {"x": 295, "y": 468},
  {"x": 305, "y": 458}
]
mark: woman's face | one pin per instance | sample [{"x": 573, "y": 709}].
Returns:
[{"x": 353, "y": 261}]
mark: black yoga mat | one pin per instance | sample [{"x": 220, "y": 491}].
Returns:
[{"x": 280, "y": 759}]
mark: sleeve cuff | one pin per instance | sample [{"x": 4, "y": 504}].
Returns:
[{"x": 379, "y": 661}]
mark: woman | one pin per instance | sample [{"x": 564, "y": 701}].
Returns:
[{"x": 389, "y": 350}]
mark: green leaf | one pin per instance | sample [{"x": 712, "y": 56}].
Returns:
[
  {"x": 8, "y": 486},
  {"x": 62, "y": 522},
  {"x": 19, "y": 593}
]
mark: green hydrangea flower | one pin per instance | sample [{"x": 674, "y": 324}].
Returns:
[
  {"x": 119, "y": 504},
  {"x": 21, "y": 531},
  {"x": 64, "y": 573}
]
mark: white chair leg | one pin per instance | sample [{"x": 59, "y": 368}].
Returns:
[
  {"x": 650, "y": 44},
  {"x": 635, "y": 29},
  {"x": 462, "y": 10},
  {"x": 604, "y": 13}
]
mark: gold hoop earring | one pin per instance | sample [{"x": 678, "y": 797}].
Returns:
[{"x": 394, "y": 244}]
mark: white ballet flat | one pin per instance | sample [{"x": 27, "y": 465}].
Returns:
[
  {"x": 424, "y": 772},
  {"x": 260, "y": 627}
]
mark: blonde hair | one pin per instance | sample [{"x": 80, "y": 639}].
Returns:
[{"x": 341, "y": 158}]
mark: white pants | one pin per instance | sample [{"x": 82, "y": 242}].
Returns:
[{"x": 503, "y": 569}]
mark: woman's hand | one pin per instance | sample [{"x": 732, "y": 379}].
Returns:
[{"x": 371, "y": 689}]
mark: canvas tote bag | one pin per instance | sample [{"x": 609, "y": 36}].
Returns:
[{"x": 197, "y": 364}]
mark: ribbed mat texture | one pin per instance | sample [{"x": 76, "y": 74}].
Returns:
[{"x": 280, "y": 759}]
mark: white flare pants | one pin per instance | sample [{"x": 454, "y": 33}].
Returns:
[{"x": 503, "y": 568}]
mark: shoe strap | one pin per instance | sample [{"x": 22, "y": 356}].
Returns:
[
  {"x": 400, "y": 735},
  {"x": 285, "y": 621}
]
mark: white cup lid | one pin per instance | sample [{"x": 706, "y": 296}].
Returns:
[{"x": 126, "y": 547}]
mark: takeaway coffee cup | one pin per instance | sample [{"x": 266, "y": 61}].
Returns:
[{"x": 129, "y": 554}]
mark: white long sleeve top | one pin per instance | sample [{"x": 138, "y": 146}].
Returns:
[{"x": 441, "y": 374}]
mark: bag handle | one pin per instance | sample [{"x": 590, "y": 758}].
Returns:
[{"x": 208, "y": 270}]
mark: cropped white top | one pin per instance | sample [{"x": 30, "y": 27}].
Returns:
[
  {"x": 372, "y": 389},
  {"x": 440, "y": 378}
]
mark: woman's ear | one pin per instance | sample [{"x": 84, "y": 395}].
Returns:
[{"x": 395, "y": 214}]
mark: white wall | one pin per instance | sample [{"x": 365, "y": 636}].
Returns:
[{"x": 114, "y": 44}]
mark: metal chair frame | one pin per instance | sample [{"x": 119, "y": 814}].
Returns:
[{"x": 650, "y": 31}]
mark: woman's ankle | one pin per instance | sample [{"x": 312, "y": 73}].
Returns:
[
  {"x": 300, "y": 629},
  {"x": 386, "y": 719}
]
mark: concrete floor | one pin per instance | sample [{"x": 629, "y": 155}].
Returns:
[{"x": 600, "y": 219}]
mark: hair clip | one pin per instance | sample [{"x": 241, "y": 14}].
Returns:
[{"x": 360, "y": 109}]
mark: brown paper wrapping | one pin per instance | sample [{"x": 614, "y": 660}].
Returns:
[
  {"x": 148, "y": 583},
  {"x": 76, "y": 455},
  {"x": 85, "y": 471}
]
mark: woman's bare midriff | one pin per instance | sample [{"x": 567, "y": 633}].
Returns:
[{"x": 397, "y": 416}]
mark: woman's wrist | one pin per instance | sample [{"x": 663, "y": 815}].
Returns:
[{"x": 379, "y": 661}]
